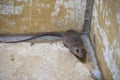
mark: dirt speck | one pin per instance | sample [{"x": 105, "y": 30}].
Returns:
[{"x": 12, "y": 58}]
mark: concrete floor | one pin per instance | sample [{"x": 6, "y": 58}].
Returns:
[{"x": 41, "y": 61}]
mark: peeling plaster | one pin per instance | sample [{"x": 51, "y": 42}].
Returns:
[
  {"x": 9, "y": 8},
  {"x": 108, "y": 48}
]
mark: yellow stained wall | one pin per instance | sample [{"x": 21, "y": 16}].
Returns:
[
  {"x": 105, "y": 34},
  {"x": 32, "y": 16}
]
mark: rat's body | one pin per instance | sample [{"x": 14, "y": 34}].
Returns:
[{"x": 71, "y": 39}]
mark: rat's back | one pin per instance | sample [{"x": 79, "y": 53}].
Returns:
[{"x": 71, "y": 36}]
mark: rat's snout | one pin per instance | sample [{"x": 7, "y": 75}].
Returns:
[
  {"x": 82, "y": 52},
  {"x": 79, "y": 53}
]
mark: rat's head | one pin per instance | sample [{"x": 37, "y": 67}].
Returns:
[{"x": 78, "y": 50}]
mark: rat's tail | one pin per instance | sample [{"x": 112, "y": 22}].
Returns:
[{"x": 56, "y": 34}]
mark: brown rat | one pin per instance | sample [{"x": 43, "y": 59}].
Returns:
[{"x": 71, "y": 39}]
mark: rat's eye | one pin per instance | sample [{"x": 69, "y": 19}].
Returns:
[
  {"x": 77, "y": 50},
  {"x": 82, "y": 50}
]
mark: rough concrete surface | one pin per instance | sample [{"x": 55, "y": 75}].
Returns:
[
  {"x": 35, "y": 16},
  {"x": 105, "y": 35},
  {"x": 41, "y": 61}
]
